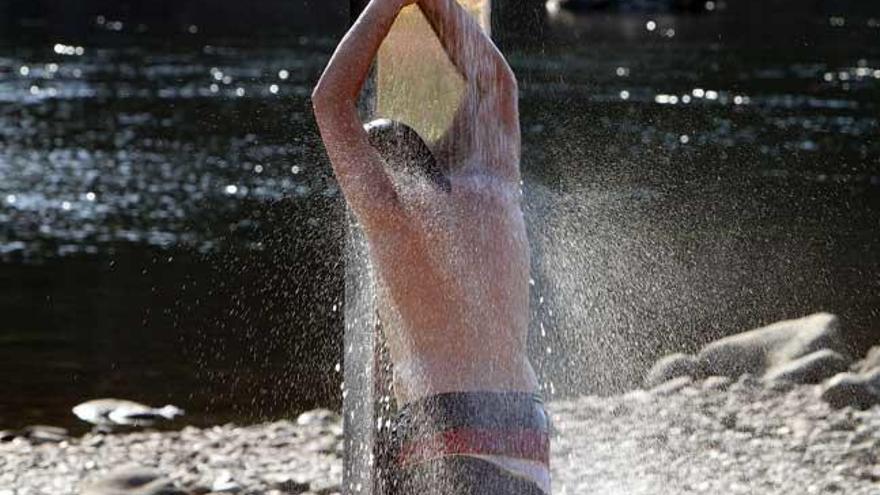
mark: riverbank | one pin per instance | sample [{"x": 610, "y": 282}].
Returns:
[{"x": 710, "y": 436}]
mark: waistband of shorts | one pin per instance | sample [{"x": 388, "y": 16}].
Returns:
[{"x": 512, "y": 424}]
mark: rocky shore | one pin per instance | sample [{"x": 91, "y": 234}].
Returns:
[
  {"x": 778, "y": 410},
  {"x": 716, "y": 436},
  {"x": 283, "y": 457}
]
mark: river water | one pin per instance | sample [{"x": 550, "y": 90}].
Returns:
[{"x": 170, "y": 230}]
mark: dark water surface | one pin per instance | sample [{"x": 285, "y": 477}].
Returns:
[{"x": 170, "y": 230}]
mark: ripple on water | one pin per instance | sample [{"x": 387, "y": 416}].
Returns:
[{"x": 139, "y": 145}]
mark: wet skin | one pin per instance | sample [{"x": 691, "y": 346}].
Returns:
[{"x": 453, "y": 268}]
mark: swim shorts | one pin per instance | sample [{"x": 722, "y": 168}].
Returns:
[{"x": 445, "y": 444}]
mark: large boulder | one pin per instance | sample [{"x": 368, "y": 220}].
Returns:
[
  {"x": 852, "y": 390},
  {"x": 758, "y": 351},
  {"x": 673, "y": 366},
  {"x": 812, "y": 368}
]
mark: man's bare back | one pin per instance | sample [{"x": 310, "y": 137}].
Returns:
[
  {"x": 452, "y": 265},
  {"x": 454, "y": 289}
]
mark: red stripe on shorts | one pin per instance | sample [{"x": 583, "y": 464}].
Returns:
[{"x": 532, "y": 445}]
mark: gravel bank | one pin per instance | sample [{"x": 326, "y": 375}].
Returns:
[
  {"x": 686, "y": 437},
  {"x": 272, "y": 458},
  {"x": 708, "y": 437}
]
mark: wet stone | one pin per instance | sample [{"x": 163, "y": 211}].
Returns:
[
  {"x": 716, "y": 383},
  {"x": 812, "y": 368},
  {"x": 870, "y": 362},
  {"x": 849, "y": 390},
  {"x": 672, "y": 366},
  {"x": 672, "y": 386}
]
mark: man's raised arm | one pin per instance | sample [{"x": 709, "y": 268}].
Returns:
[
  {"x": 487, "y": 119},
  {"x": 469, "y": 48},
  {"x": 358, "y": 166}
]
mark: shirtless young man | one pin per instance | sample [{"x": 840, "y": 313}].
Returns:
[{"x": 448, "y": 243}]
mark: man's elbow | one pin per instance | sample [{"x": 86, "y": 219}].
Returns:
[
  {"x": 325, "y": 105},
  {"x": 321, "y": 97},
  {"x": 331, "y": 112},
  {"x": 327, "y": 92}
]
